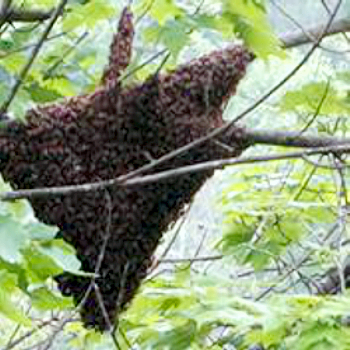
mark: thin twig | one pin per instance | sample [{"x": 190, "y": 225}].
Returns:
[
  {"x": 174, "y": 237},
  {"x": 190, "y": 260},
  {"x": 200, "y": 245},
  {"x": 26, "y": 47},
  {"x": 35, "y": 52},
  {"x": 290, "y": 139},
  {"x": 106, "y": 236},
  {"x": 143, "y": 64},
  {"x": 101, "y": 303},
  {"x": 5, "y": 6},
  {"x": 55, "y": 333},
  {"x": 93, "y": 284},
  {"x": 28, "y": 334},
  {"x": 317, "y": 110},
  {"x": 120, "y": 297},
  {"x": 317, "y": 164},
  {"x": 289, "y": 75},
  {"x": 64, "y": 55}
]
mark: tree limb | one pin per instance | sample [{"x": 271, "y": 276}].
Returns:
[
  {"x": 290, "y": 139},
  {"x": 164, "y": 175},
  {"x": 297, "y": 38},
  {"x": 17, "y": 15}
]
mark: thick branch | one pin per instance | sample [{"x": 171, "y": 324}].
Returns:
[
  {"x": 16, "y": 15},
  {"x": 297, "y": 38},
  {"x": 290, "y": 139},
  {"x": 164, "y": 175},
  {"x": 321, "y": 144}
]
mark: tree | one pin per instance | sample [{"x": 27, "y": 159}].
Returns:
[{"x": 286, "y": 224}]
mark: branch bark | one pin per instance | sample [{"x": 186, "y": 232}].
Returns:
[
  {"x": 290, "y": 139},
  {"x": 297, "y": 38},
  {"x": 323, "y": 145},
  {"x": 17, "y": 15},
  {"x": 124, "y": 180}
]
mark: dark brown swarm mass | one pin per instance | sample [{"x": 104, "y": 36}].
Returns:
[{"x": 110, "y": 133}]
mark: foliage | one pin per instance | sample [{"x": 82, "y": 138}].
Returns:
[
  {"x": 196, "y": 317},
  {"x": 307, "y": 99},
  {"x": 282, "y": 222},
  {"x": 29, "y": 256}
]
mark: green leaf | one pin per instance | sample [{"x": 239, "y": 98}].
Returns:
[
  {"x": 14, "y": 62},
  {"x": 288, "y": 229},
  {"x": 39, "y": 266},
  {"x": 321, "y": 336},
  {"x": 39, "y": 231},
  {"x": 63, "y": 255},
  {"x": 251, "y": 22},
  {"x": 61, "y": 85},
  {"x": 20, "y": 210},
  {"x": 97, "y": 10},
  {"x": 16, "y": 270},
  {"x": 235, "y": 235},
  {"x": 173, "y": 34},
  {"x": 220, "y": 24},
  {"x": 13, "y": 237},
  {"x": 45, "y": 3},
  {"x": 88, "y": 15},
  {"x": 161, "y": 10},
  {"x": 5, "y": 46},
  {"x": 344, "y": 76},
  {"x": 44, "y": 299},
  {"x": 178, "y": 338},
  {"x": 8, "y": 287},
  {"x": 314, "y": 96},
  {"x": 84, "y": 339},
  {"x": 40, "y": 94}
]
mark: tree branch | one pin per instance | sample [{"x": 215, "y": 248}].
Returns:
[
  {"x": 17, "y": 15},
  {"x": 253, "y": 137},
  {"x": 164, "y": 175},
  {"x": 297, "y": 38},
  {"x": 290, "y": 139}
]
